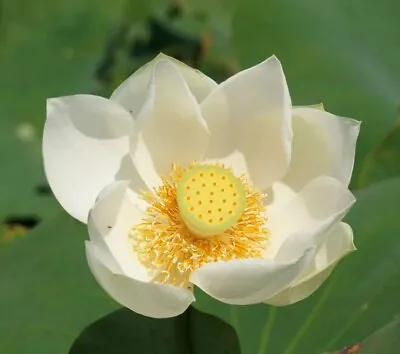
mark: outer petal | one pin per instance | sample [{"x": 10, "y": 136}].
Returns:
[
  {"x": 170, "y": 128},
  {"x": 249, "y": 117},
  {"x": 307, "y": 218},
  {"x": 338, "y": 244},
  {"x": 132, "y": 92},
  {"x": 249, "y": 281},
  {"x": 84, "y": 143},
  {"x": 148, "y": 299},
  {"x": 323, "y": 144},
  {"x": 116, "y": 211}
]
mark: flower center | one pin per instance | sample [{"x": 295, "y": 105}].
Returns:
[
  {"x": 211, "y": 199},
  {"x": 199, "y": 214}
]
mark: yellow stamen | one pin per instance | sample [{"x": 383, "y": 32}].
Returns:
[{"x": 177, "y": 237}]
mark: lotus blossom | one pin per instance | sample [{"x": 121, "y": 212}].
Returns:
[{"x": 184, "y": 182}]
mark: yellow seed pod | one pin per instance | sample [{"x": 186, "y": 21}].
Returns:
[{"x": 211, "y": 199}]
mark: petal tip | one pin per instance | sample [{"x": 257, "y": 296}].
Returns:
[
  {"x": 164, "y": 63},
  {"x": 51, "y": 105},
  {"x": 273, "y": 60}
]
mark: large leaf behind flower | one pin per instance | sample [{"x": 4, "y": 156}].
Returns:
[
  {"x": 125, "y": 332},
  {"x": 47, "y": 293},
  {"x": 359, "y": 297},
  {"x": 385, "y": 340},
  {"x": 384, "y": 160}
]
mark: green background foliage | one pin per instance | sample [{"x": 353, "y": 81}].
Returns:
[{"x": 342, "y": 53}]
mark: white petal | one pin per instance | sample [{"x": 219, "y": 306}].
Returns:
[
  {"x": 116, "y": 211},
  {"x": 338, "y": 244},
  {"x": 249, "y": 281},
  {"x": 148, "y": 299},
  {"x": 278, "y": 195},
  {"x": 170, "y": 128},
  {"x": 297, "y": 293},
  {"x": 249, "y": 117},
  {"x": 323, "y": 144},
  {"x": 307, "y": 218},
  {"x": 84, "y": 143},
  {"x": 132, "y": 92}
]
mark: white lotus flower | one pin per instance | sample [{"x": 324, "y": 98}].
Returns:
[{"x": 185, "y": 182}]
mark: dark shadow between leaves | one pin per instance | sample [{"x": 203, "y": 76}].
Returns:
[
  {"x": 26, "y": 221},
  {"x": 125, "y": 332},
  {"x": 43, "y": 190}
]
